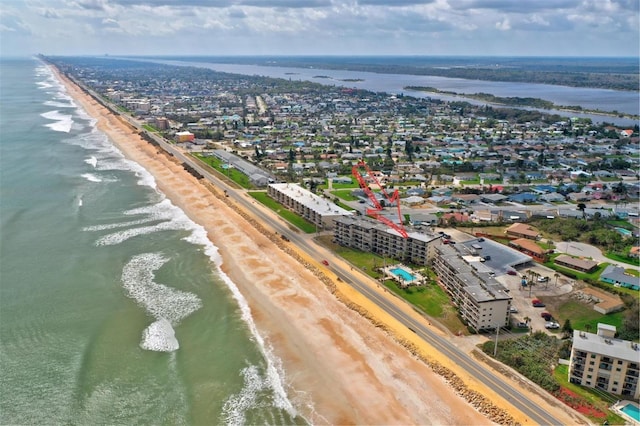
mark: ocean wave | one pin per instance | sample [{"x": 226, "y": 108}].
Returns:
[
  {"x": 167, "y": 305},
  {"x": 62, "y": 123},
  {"x": 58, "y": 104},
  {"x": 274, "y": 372},
  {"x": 236, "y": 406},
  {"x": 160, "y": 337},
  {"x": 91, "y": 177},
  {"x": 91, "y": 161}
]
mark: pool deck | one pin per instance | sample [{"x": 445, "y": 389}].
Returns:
[
  {"x": 617, "y": 407},
  {"x": 418, "y": 279}
]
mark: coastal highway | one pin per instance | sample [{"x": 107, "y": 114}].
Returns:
[
  {"x": 537, "y": 414},
  {"x": 520, "y": 401}
]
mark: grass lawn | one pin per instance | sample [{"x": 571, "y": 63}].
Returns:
[
  {"x": 149, "y": 128},
  {"x": 337, "y": 185},
  {"x": 431, "y": 299},
  {"x": 581, "y": 314},
  {"x": 344, "y": 194},
  {"x": 221, "y": 167},
  {"x": 291, "y": 217},
  {"x": 590, "y": 396},
  {"x": 624, "y": 259}
]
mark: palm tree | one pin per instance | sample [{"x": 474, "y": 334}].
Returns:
[
  {"x": 581, "y": 207},
  {"x": 556, "y": 275},
  {"x": 526, "y": 320}
]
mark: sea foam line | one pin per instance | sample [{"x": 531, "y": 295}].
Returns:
[
  {"x": 62, "y": 123},
  {"x": 167, "y": 305}
]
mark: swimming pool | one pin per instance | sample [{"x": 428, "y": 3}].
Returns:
[
  {"x": 631, "y": 411},
  {"x": 399, "y": 272},
  {"x": 624, "y": 232}
]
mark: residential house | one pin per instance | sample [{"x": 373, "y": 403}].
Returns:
[
  {"x": 576, "y": 263},
  {"x": 530, "y": 248},
  {"x": 522, "y": 230},
  {"x": 616, "y": 276},
  {"x": 524, "y": 197}
]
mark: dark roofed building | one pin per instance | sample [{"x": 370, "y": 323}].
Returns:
[{"x": 582, "y": 265}]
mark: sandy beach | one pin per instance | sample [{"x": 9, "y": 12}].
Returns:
[{"x": 340, "y": 367}]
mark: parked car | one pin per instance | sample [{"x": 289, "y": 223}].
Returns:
[
  {"x": 511, "y": 272},
  {"x": 538, "y": 304},
  {"x": 326, "y": 263},
  {"x": 522, "y": 325},
  {"x": 513, "y": 310},
  {"x": 543, "y": 279},
  {"x": 546, "y": 315},
  {"x": 552, "y": 325}
]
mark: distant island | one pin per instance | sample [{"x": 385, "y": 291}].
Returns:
[
  {"x": 517, "y": 101},
  {"x": 322, "y": 76},
  {"x": 352, "y": 80}
]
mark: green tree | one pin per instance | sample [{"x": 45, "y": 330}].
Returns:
[
  {"x": 566, "y": 328},
  {"x": 581, "y": 207}
]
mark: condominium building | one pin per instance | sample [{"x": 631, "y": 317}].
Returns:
[
  {"x": 482, "y": 301},
  {"x": 371, "y": 236},
  {"x": 315, "y": 209},
  {"x": 601, "y": 361}
]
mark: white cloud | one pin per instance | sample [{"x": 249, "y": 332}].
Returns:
[
  {"x": 503, "y": 25},
  {"x": 465, "y": 27}
]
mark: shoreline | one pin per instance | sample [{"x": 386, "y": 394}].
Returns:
[{"x": 351, "y": 367}]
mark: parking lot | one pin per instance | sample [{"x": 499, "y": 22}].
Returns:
[
  {"x": 523, "y": 296},
  {"x": 504, "y": 261}
]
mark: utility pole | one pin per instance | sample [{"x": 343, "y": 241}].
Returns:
[{"x": 495, "y": 346}]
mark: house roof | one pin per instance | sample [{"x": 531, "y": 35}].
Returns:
[
  {"x": 617, "y": 274},
  {"x": 577, "y": 262},
  {"x": 528, "y": 245},
  {"x": 523, "y": 229}
]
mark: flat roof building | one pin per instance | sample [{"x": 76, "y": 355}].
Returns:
[
  {"x": 315, "y": 209},
  {"x": 483, "y": 302},
  {"x": 603, "y": 362},
  {"x": 371, "y": 236}
]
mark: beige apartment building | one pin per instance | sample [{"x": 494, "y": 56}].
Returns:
[
  {"x": 601, "y": 361},
  {"x": 482, "y": 301},
  {"x": 315, "y": 209},
  {"x": 371, "y": 236}
]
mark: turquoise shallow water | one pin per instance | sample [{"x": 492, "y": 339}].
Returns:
[{"x": 112, "y": 310}]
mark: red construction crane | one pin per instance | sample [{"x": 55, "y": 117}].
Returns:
[{"x": 375, "y": 212}]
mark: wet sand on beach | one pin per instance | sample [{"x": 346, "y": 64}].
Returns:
[{"x": 349, "y": 370}]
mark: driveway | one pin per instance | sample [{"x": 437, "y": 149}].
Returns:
[{"x": 587, "y": 250}]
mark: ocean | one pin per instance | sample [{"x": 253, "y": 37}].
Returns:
[{"x": 112, "y": 306}]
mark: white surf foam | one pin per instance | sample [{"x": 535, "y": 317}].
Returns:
[
  {"x": 92, "y": 161},
  {"x": 167, "y": 305},
  {"x": 235, "y": 407},
  {"x": 91, "y": 177},
  {"x": 160, "y": 337},
  {"x": 275, "y": 373},
  {"x": 62, "y": 123},
  {"x": 59, "y": 104}
]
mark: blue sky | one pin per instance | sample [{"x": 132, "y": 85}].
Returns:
[{"x": 317, "y": 27}]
